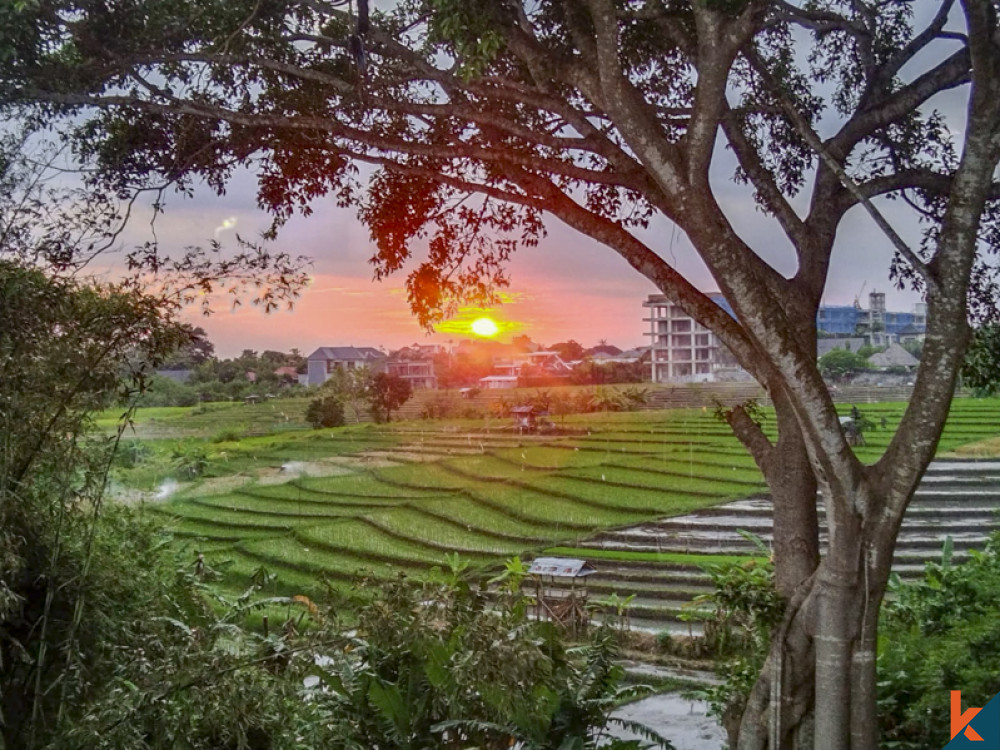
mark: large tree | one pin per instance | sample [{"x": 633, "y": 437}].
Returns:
[{"x": 478, "y": 118}]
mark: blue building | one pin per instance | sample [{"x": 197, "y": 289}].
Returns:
[{"x": 881, "y": 327}]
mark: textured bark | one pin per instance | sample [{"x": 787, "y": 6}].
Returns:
[
  {"x": 793, "y": 497},
  {"x": 790, "y": 660},
  {"x": 787, "y": 676}
]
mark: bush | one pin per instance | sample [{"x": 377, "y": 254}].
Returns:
[
  {"x": 227, "y": 435},
  {"x": 937, "y": 634},
  {"x": 189, "y": 460},
  {"x": 839, "y": 364},
  {"x": 326, "y": 411},
  {"x": 745, "y": 608},
  {"x": 441, "y": 406},
  {"x": 447, "y": 663},
  {"x": 131, "y": 453}
]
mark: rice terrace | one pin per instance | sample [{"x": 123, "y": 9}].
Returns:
[{"x": 316, "y": 507}]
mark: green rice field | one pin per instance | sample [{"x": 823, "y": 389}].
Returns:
[{"x": 405, "y": 497}]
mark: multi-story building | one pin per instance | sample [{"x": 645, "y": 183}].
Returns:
[
  {"x": 880, "y": 326},
  {"x": 414, "y": 364},
  {"x": 685, "y": 351},
  {"x": 682, "y": 350},
  {"x": 326, "y": 360}
]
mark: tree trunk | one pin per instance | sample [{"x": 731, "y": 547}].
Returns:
[
  {"x": 790, "y": 476},
  {"x": 826, "y": 647},
  {"x": 788, "y": 670},
  {"x": 834, "y": 645}
]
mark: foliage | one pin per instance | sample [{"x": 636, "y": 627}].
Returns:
[
  {"x": 939, "y": 633},
  {"x": 635, "y": 397},
  {"x": 839, "y": 364},
  {"x": 163, "y": 390},
  {"x": 981, "y": 367},
  {"x": 474, "y": 119},
  {"x": 604, "y": 399},
  {"x": 212, "y": 379},
  {"x": 868, "y": 350},
  {"x": 441, "y": 405},
  {"x": 751, "y": 408},
  {"x": 857, "y": 427},
  {"x": 195, "y": 351},
  {"x": 353, "y": 388},
  {"x": 915, "y": 347},
  {"x": 110, "y": 642},
  {"x": 568, "y": 351},
  {"x": 67, "y": 349},
  {"x": 739, "y": 616},
  {"x": 388, "y": 393},
  {"x": 594, "y": 372},
  {"x": 131, "y": 453},
  {"x": 189, "y": 460},
  {"x": 446, "y": 664},
  {"x": 465, "y": 366},
  {"x": 326, "y": 411}
]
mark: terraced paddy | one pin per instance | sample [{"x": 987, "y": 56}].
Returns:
[{"x": 407, "y": 497}]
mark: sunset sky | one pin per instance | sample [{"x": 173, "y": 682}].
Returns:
[{"x": 567, "y": 287}]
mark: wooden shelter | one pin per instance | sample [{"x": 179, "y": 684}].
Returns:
[
  {"x": 561, "y": 591},
  {"x": 526, "y": 417}
]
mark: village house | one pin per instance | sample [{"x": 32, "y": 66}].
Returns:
[
  {"x": 287, "y": 374},
  {"x": 326, "y": 360},
  {"x": 415, "y": 365},
  {"x": 507, "y": 372},
  {"x": 894, "y": 357}
]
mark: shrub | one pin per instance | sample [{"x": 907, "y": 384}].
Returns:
[
  {"x": 131, "y": 453},
  {"x": 936, "y": 634},
  {"x": 839, "y": 364},
  {"x": 745, "y": 608},
  {"x": 227, "y": 435},
  {"x": 441, "y": 406},
  {"x": 189, "y": 460},
  {"x": 326, "y": 411},
  {"x": 447, "y": 663},
  {"x": 939, "y": 633}
]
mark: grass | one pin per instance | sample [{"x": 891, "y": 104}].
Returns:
[
  {"x": 989, "y": 448},
  {"x": 483, "y": 495},
  {"x": 410, "y": 523}
]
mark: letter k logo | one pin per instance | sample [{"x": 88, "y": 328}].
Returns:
[{"x": 960, "y": 721}]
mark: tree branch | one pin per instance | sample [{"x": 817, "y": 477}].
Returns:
[
  {"x": 763, "y": 181},
  {"x": 809, "y": 135}
]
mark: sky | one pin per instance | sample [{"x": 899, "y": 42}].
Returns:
[{"x": 568, "y": 287}]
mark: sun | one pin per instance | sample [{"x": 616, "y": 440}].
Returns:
[{"x": 485, "y": 327}]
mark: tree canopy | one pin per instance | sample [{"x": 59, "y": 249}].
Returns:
[
  {"x": 981, "y": 368},
  {"x": 840, "y": 362},
  {"x": 457, "y": 126}
]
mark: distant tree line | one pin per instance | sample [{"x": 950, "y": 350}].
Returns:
[{"x": 194, "y": 375}]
